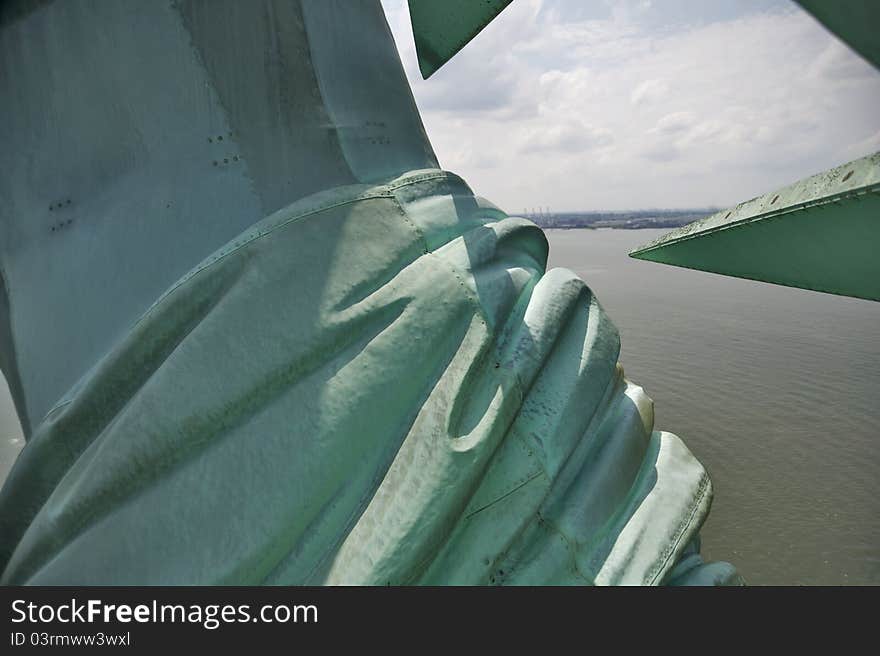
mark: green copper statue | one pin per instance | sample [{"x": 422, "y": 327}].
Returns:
[{"x": 256, "y": 335}]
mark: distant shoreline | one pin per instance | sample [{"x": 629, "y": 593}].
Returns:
[
  {"x": 590, "y": 227},
  {"x": 624, "y": 220}
]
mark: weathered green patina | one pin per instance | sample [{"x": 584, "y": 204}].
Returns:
[
  {"x": 854, "y": 21},
  {"x": 377, "y": 384},
  {"x": 820, "y": 233},
  {"x": 370, "y": 378},
  {"x": 441, "y": 29}
]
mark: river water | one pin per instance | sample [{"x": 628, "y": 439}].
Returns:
[{"x": 774, "y": 389}]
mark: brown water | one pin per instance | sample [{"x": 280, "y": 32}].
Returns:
[{"x": 774, "y": 389}]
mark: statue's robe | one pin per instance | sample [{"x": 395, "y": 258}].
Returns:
[
  {"x": 373, "y": 381},
  {"x": 378, "y": 384}
]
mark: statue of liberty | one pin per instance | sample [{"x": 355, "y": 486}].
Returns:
[{"x": 256, "y": 335}]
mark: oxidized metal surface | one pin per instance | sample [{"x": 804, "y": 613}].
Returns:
[
  {"x": 375, "y": 385},
  {"x": 441, "y": 29},
  {"x": 139, "y": 137},
  {"x": 256, "y": 335},
  {"x": 819, "y": 233},
  {"x": 854, "y": 21}
]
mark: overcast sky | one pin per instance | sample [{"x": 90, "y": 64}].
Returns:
[{"x": 593, "y": 104}]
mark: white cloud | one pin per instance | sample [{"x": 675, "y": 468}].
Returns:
[
  {"x": 563, "y": 136},
  {"x": 649, "y": 91},
  {"x": 675, "y": 123},
  {"x": 582, "y": 105}
]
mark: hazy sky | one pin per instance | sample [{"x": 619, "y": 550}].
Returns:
[{"x": 592, "y": 104}]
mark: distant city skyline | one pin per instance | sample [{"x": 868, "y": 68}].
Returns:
[{"x": 630, "y": 105}]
